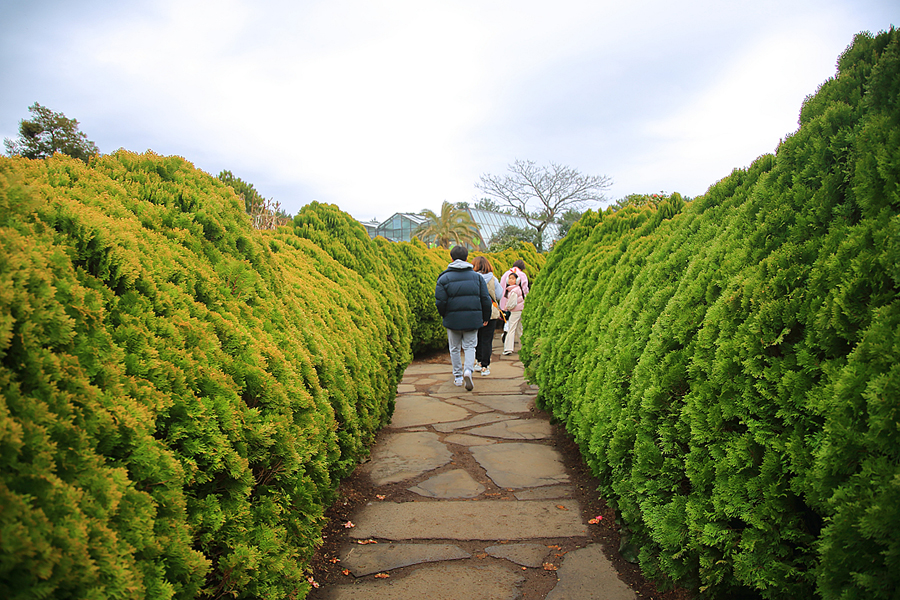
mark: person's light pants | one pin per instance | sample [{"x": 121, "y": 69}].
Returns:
[
  {"x": 515, "y": 330},
  {"x": 465, "y": 340}
]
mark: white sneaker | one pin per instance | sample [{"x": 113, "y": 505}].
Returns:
[
  {"x": 485, "y": 371},
  {"x": 458, "y": 381},
  {"x": 467, "y": 378},
  {"x": 477, "y": 366}
]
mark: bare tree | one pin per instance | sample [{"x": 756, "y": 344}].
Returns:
[{"x": 540, "y": 193}]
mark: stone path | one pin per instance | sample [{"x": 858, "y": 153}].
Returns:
[{"x": 476, "y": 502}]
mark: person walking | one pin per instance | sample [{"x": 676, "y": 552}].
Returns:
[
  {"x": 513, "y": 300},
  {"x": 518, "y": 268},
  {"x": 462, "y": 300},
  {"x": 485, "y": 346}
]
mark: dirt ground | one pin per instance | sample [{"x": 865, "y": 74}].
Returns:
[{"x": 357, "y": 490}]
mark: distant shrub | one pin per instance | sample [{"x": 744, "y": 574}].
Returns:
[{"x": 731, "y": 367}]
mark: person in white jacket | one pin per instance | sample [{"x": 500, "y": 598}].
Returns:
[
  {"x": 514, "y": 326},
  {"x": 514, "y": 301}
]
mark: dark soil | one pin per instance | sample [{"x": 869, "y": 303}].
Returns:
[{"x": 355, "y": 491}]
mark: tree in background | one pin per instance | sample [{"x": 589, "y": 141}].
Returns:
[
  {"x": 510, "y": 236},
  {"x": 47, "y": 133},
  {"x": 540, "y": 193},
  {"x": 566, "y": 220},
  {"x": 265, "y": 212},
  {"x": 451, "y": 226},
  {"x": 491, "y": 205}
]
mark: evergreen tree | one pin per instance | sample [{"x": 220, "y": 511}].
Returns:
[{"x": 47, "y": 133}]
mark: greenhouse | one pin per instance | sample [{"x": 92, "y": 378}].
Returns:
[{"x": 401, "y": 227}]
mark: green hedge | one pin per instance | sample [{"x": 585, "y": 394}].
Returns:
[
  {"x": 731, "y": 367},
  {"x": 180, "y": 392}
]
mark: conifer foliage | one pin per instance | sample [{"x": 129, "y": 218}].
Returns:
[
  {"x": 180, "y": 392},
  {"x": 731, "y": 367}
]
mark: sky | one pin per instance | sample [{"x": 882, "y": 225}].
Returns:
[{"x": 384, "y": 106}]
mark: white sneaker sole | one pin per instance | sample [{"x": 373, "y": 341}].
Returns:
[{"x": 467, "y": 379}]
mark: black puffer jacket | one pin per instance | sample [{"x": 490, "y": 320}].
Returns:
[{"x": 462, "y": 297}]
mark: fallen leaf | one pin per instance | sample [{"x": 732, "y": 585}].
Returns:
[
  {"x": 334, "y": 560},
  {"x": 380, "y": 496},
  {"x": 595, "y": 520},
  {"x": 549, "y": 567},
  {"x": 312, "y": 582},
  {"x": 381, "y": 575},
  {"x": 554, "y": 547},
  {"x": 561, "y": 507},
  {"x": 349, "y": 524},
  {"x": 346, "y": 571},
  {"x": 364, "y": 542}
]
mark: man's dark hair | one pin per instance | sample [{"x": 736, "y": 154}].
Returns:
[
  {"x": 519, "y": 264},
  {"x": 459, "y": 252}
]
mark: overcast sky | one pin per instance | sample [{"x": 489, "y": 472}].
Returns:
[{"x": 382, "y": 106}]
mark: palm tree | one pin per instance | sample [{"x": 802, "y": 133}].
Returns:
[{"x": 452, "y": 225}]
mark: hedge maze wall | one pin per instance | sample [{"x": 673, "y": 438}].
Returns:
[
  {"x": 731, "y": 367},
  {"x": 181, "y": 393}
]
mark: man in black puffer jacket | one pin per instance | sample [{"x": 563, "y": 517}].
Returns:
[{"x": 463, "y": 301}]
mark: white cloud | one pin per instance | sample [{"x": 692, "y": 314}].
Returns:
[{"x": 400, "y": 104}]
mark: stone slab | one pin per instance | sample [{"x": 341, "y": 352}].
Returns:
[
  {"x": 467, "y": 440},
  {"x": 406, "y": 388},
  {"x": 483, "y": 385},
  {"x": 586, "y": 574},
  {"x": 402, "y": 456},
  {"x": 439, "y": 582},
  {"x": 545, "y": 493},
  {"x": 470, "y": 406},
  {"x": 515, "y": 429},
  {"x": 513, "y": 403},
  {"x": 521, "y": 465},
  {"x": 527, "y": 555},
  {"x": 428, "y": 369},
  {"x": 468, "y": 520},
  {"x": 452, "y": 484},
  {"x": 365, "y": 560},
  {"x": 410, "y": 411},
  {"x": 481, "y": 419},
  {"x": 504, "y": 370}
]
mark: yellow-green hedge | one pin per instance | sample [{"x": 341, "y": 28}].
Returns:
[{"x": 180, "y": 392}]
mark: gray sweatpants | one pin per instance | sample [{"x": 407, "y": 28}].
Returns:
[{"x": 465, "y": 340}]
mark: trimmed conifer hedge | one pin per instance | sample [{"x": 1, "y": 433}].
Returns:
[
  {"x": 180, "y": 392},
  {"x": 730, "y": 367}
]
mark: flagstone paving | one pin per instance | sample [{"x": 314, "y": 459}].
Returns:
[{"x": 486, "y": 509}]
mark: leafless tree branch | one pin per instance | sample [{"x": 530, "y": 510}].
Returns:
[{"x": 539, "y": 194}]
